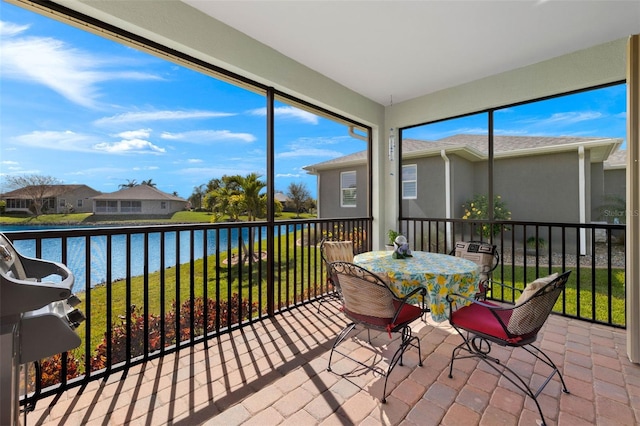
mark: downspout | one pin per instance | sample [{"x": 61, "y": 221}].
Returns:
[
  {"x": 353, "y": 134},
  {"x": 317, "y": 193},
  {"x": 447, "y": 194},
  {"x": 582, "y": 199}
]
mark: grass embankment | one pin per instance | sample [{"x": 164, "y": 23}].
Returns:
[{"x": 290, "y": 283}]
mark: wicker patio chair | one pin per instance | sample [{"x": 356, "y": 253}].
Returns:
[
  {"x": 485, "y": 255},
  {"x": 333, "y": 251},
  {"x": 368, "y": 302},
  {"x": 482, "y": 323}
]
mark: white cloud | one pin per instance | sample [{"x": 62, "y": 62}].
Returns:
[
  {"x": 146, "y": 168},
  {"x": 288, "y": 175},
  {"x": 73, "y": 73},
  {"x": 142, "y": 116},
  {"x": 202, "y": 136},
  {"x": 7, "y": 162},
  {"x": 135, "y": 134},
  {"x": 97, "y": 171},
  {"x": 316, "y": 147},
  {"x": 8, "y": 29},
  {"x": 136, "y": 146},
  {"x": 298, "y": 152},
  {"x": 57, "y": 140},
  {"x": 288, "y": 112},
  {"x": 575, "y": 117},
  {"x": 194, "y": 160},
  {"x": 78, "y": 142},
  {"x": 566, "y": 118}
]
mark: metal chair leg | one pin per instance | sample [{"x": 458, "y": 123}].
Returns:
[{"x": 343, "y": 335}]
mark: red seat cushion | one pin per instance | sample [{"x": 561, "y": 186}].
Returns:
[
  {"x": 476, "y": 318},
  {"x": 408, "y": 313}
]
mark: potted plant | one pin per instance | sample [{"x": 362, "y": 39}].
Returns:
[{"x": 391, "y": 237}]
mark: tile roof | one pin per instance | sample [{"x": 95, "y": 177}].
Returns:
[
  {"x": 476, "y": 147},
  {"x": 617, "y": 160},
  {"x": 139, "y": 192},
  {"x": 53, "y": 191},
  {"x": 502, "y": 144}
]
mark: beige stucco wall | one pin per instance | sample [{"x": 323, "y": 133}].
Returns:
[
  {"x": 72, "y": 197},
  {"x": 329, "y": 195}
]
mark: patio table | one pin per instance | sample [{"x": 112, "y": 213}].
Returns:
[{"x": 440, "y": 274}]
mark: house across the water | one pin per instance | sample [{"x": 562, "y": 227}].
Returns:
[{"x": 140, "y": 199}]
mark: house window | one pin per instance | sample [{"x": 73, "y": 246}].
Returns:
[
  {"x": 79, "y": 203},
  {"x": 163, "y": 205},
  {"x": 17, "y": 204},
  {"x": 62, "y": 202},
  {"x": 410, "y": 182},
  {"x": 106, "y": 206},
  {"x": 348, "y": 189},
  {"x": 130, "y": 206}
]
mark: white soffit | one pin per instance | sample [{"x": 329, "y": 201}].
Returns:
[{"x": 407, "y": 49}]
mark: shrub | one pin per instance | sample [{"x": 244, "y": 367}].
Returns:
[
  {"x": 119, "y": 331},
  {"x": 478, "y": 208},
  {"x": 51, "y": 369},
  {"x": 357, "y": 235}
]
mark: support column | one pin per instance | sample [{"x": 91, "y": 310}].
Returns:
[
  {"x": 633, "y": 199},
  {"x": 582, "y": 198},
  {"x": 447, "y": 196}
]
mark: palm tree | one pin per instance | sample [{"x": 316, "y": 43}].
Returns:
[
  {"x": 224, "y": 201},
  {"x": 250, "y": 187},
  {"x": 130, "y": 184},
  {"x": 148, "y": 183}
]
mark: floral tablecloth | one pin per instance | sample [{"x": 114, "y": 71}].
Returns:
[{"x": 440, "y": 274}]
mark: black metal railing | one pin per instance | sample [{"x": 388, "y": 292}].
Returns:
[
  {"x": 150, "y": 290},
  {"x": 147, "y": 291},
  {"x": 595, "y": 252}
]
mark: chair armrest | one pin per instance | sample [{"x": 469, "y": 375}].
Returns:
[
  {"x": 450, "y": 299},
  {"x": 403, "y": 300},
  {"x": 421, "y": 290}
]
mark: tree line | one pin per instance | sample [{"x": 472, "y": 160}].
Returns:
[
  {"x": 235, "y": 195},
  {"x": 226, "y": 197}
]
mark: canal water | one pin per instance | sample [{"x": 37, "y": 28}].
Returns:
[{"x": 77, "y": 261}]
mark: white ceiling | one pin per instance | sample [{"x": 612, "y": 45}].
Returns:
[{"x": 400, "y": 50}]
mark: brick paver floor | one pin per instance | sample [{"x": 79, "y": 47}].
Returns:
[{"x": 275, "y": 373}]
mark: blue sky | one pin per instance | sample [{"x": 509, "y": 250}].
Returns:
[
  {"x": 85, "y": 109},
  {"x": 88, "y": 110},
  {"x": 595, "y": 113}
]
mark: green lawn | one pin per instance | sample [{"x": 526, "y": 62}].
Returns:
[
  {"x": 44, "y": 219},
  {"x": 577, "y": 299}
]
